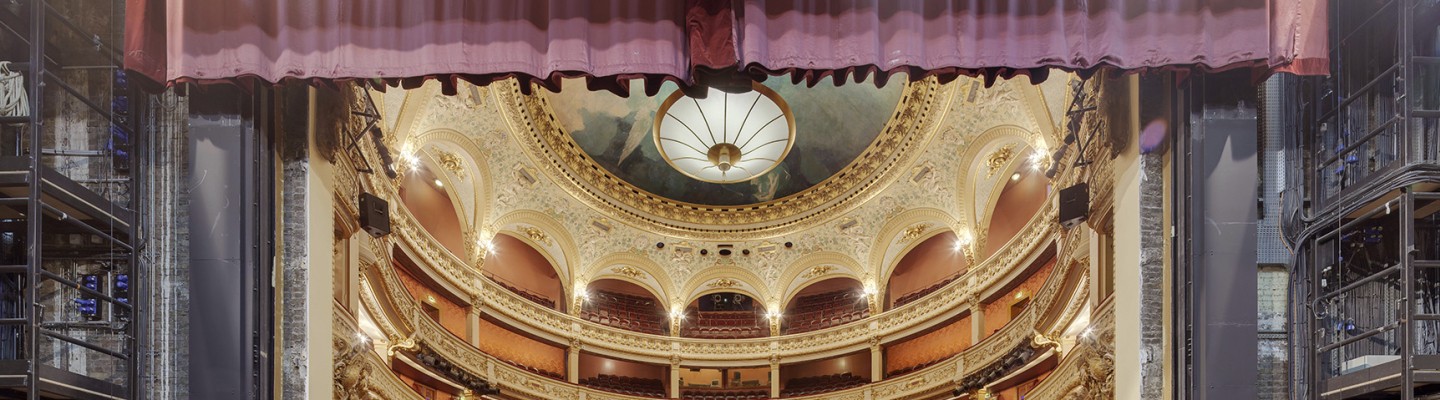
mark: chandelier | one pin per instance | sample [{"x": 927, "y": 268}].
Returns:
[{"x": 725, "y": 137}]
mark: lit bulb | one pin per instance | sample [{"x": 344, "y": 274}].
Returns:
[
  {"x": 1015, "y": 177},
  {"x": 723, "y": 160},
  {"x": 439, "y": 184}
]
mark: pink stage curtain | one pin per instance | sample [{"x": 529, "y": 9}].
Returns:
[
  {"x": 479, "y": 40},
  {"x": 611, "y": 41},
  {"x": 811, "y": 39}
]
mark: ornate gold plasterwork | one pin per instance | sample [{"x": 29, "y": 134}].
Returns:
[
  {"x": 818, "y": 270},
  {"x": 628, "y": 271},
  {"x": 556, "y": 153},
  {"x": 999, "y": 158},
  {"x": 450, "y": 162},
  {"x": 724, "y": 283},
  {"x": 914, "y": 232},
  {"x": 537, "y": 235}
]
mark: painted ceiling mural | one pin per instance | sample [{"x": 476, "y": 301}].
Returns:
[
  {"x": 518, "y": 184},
  {"x": 833, "y": 125}
]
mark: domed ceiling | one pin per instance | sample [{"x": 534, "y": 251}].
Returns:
[
  {"x": 851, "y": 141},
  {"x": 577, "y": 176},
  {"x": 833, "y": 125}
]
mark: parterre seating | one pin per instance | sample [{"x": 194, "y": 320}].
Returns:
[
  {"x": 824, "y": 310},
  {"x": 627, "y": 385},
  {"x": 820, "y": 384},
  {"x": 635, "y": 313}
]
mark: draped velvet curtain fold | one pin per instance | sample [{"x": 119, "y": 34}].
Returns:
[
  {"x": 611, "y": 41},
  {"x": 811, "y": 39}
]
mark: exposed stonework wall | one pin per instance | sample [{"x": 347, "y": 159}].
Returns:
[{"x": 166, "y": 253}]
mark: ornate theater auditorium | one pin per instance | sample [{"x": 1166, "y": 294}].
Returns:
[{"x": 891, "y": 242}]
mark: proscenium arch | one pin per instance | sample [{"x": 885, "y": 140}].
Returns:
[
  {"x": 604, "y": 268},
  {"x": 750, "y": 284},
  {"x": 846, "y": 267},
  {"x": 972, "y": 164}
]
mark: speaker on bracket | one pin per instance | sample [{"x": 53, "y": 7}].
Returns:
[
  {"x": 1074, "y": 205},
  {"x": 374, "y": 215}
]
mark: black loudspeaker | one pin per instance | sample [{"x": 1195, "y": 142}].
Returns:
[
  {"x": 374, "y": 215},
  {"x": 1074, "y": 205}
]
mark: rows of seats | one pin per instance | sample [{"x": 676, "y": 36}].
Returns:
[
  {"x": 824, "y": 310},
  {"x": 723, "y": 394},
  {"x": 820, "y": 384},
  {"x": 643, "y": 387},
  {"x": 537, "y": 371},
  {"x": 916, "y": 295},
  {"x": 726, "y": 325},
  {"x": 528, "y": 295},
  {"x": 635, "y": 313}
]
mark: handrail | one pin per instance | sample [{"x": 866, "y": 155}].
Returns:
[
  {"x": 1021, "y": 249},
  {"x": 938, "y": 376},
  {"x": 663, "y": 348}
]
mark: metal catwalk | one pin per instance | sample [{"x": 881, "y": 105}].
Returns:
[{"x": 68, "y": 312}]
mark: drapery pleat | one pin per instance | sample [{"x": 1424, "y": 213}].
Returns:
[
  {"x": 609, "y": 42},
  {"x": 271, "y": 40},
  {"x": 810, "y": 40}
]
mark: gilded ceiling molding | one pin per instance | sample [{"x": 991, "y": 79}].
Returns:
[
  {"x": 999, "y": 158},
  {"x": 554, "y": 151},
  {"x": 450, "y": 163},
  {"x": 633, "y": 267}
]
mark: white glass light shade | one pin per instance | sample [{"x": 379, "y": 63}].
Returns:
[{"x": 725, "y": 137}]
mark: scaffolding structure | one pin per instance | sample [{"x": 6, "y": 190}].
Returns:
[
  {"x": 1364, "y": 213},
  {"x": 69, "y": 315}
]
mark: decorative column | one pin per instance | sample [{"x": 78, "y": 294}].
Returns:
[
  {"x": 675, "y": 376},
  {"x": 877, "y": 360},
  {"x": 872, "y": 296},
  {"x": 774, "y": 317},
  {"x": 572, "y": 364},
  {"x": 774, "y": 376},
  {"x": 676, "y": 316},
  {"x": 977, "y": 321},
  {"x": 472, "y": 323}
]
